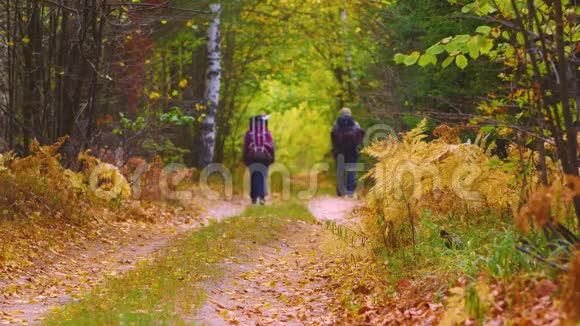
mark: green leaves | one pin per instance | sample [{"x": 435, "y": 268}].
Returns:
[
  {"x": 411, "y": 59},
  {"x": 457, "y": 48},
  {"x": 486, "y": 45},
  {"x": 474, "y": 45},
  {"x": 478, "y": 8},
  {"x": 484, "y": 30},
  {"x": 416, "y": 58},
  {"x": 399, "y": 58},
  {"x": 427, "y": 59},
  {"x": 447, "y": 62},
  {"x": 435, "y": 49},
  {"x": 177, "y": 117},
  {"x": 461, "y": 61}
]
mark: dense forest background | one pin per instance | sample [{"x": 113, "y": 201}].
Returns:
[{"x": 132, "y": 75}]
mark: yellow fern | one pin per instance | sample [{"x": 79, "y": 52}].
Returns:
[{"x": 413, "y": 175}]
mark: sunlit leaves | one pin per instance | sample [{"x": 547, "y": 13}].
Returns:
[
  {"x": 411, "y": 59},
  {"x": 447, "y": 62},
  {"x": 457, "y": 48},
  {"x": 474, "y": 45},
  {"x": 461, "y": 61},
  {"x": 427, "y": 59},
  {"x": 183, "y": 83},
  {"x": 154, "y": 95},
  {"x": 435, "y": 49},
  {"x": 486, "y": 45},
  {"x": 399, "y": 58},
  {"x": 176, "y": 116},
  {"x": 480, "y": 8},
  {"x": 484, "y": 30}
]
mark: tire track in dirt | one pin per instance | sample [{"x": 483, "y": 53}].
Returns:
[{"x": 289, "y": 282}]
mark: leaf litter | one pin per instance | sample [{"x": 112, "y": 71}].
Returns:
[{"x": 70, "y": 269}]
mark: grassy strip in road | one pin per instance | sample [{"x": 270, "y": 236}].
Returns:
[{"x": 169, "y": 288}]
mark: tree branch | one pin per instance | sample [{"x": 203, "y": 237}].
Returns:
[{"x": 165, "y": 5}]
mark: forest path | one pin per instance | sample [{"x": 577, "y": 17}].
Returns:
[
  {"x": 25, "y": 298},
  {"x": 290, "y": 281},
  {"x": 336, "y": 209}
]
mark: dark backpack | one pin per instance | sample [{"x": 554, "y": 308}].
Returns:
[
  {"x": 347, "y": 135},
  {"x": 347, "y": 139},
  {"x": 260, "y": 151},
  {"x": 260, "y": 147}
]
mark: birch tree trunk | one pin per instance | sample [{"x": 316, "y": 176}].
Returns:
[
  {"x": 212, "y": 89},
  {"x": 350, "y": 79}
]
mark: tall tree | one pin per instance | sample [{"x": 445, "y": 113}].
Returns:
[{"x": 212, "y": 91}]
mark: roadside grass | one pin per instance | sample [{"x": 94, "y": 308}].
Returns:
[
  {"x": 169, "y": 288},
  {"x": 485, "y": 262},
  {"x": 488, "y": 246},
  {"x": 283, "y": 209}
]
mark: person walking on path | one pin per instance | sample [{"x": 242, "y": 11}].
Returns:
[
  {"x": 258, "y": 154},
  {"x": 347, "y": 137}
]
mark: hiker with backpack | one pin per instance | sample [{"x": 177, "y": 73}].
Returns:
[
  {"x": 347, "y": 138},
  {"x": 258, "y": 154}
]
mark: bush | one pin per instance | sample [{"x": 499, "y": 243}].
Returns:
[{"x": 442, "y": 176}]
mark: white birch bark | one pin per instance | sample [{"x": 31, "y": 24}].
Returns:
[
  {"x": 212, "y": 88},
  {"x": 351, "y": 76}
]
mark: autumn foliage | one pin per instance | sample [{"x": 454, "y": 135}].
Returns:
[
  {"x": 441, "y": 176},
  {"x": 550, "y": 204}
]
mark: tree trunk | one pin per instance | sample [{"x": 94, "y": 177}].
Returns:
[
  {"x": 350, "y": 80},
  {"x": 212, "y": 89}
]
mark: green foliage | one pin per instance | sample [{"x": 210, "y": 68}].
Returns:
[
  {"x": 411, "y": 122},
  {"x": 302, "y": 137},
  {"x": 301, "y": 72},
  {"x": 287, "y": 209},
  {"x": 167, "y": 150},
  {"x": 130, "y": 125},
  {"x": 176, "y": 116},
  {"x": 489, "y": 247},
  {"x": 301, "y": 118},
  {"x": 418, "y": 24},
  {"x": 474, "y": 304}
]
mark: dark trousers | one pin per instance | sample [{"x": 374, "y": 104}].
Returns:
[
  {"x": 345, "y": 175},
  {"x": 258, "y": 177}
]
